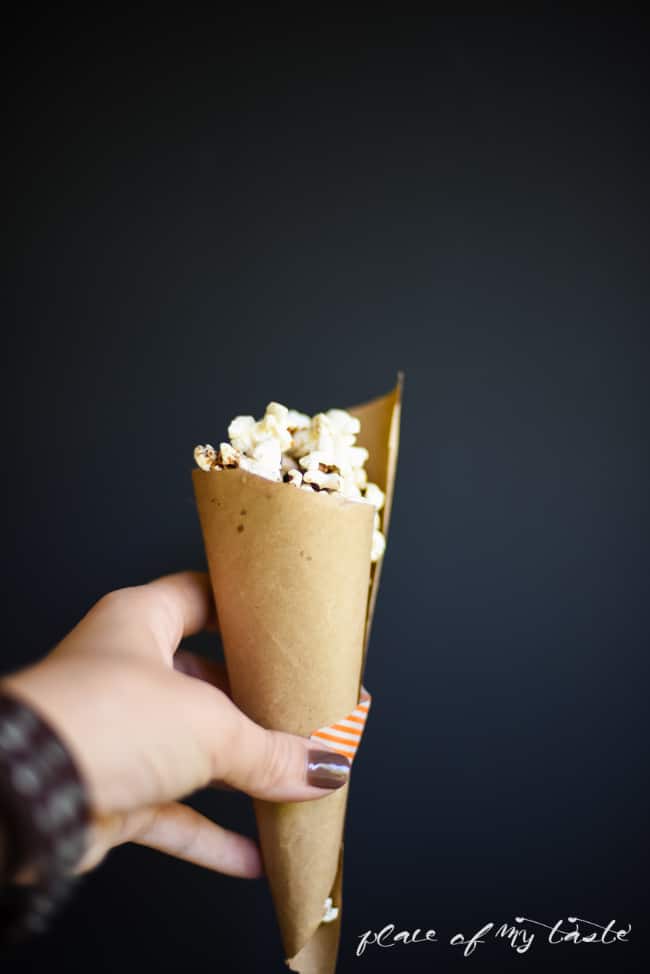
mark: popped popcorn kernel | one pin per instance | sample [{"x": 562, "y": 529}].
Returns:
[
  {"x": 288, "y": 463},
  {"x": 342, "y": 422},
  {"x": 378, "y": 546},
  {"x": 297, "y": 421},
  {"x": 350, "y": 490},
  {"x": 330, "y": 912},
  {"x": 240, "y": 432},
  {"x": 268, "y": 453},
  {"x": 319, "y": 460},
  {"x": 279, "y": 412},
  {"x": 324, "y": 481},
  {"x": 259, "y": 469},
  {"x": 228, "y": 456},
  {"x": 374, "y": 496},
  {"x": 294, "y": 477},
  {"x": 205, "y": 456}
]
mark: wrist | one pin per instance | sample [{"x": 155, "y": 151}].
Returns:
[
  {"x": 45, "y": 689},
  {"x": 43, "y": 805}
]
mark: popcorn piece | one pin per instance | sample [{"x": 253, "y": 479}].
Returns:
[
  {"x": 318, "y": 436},
  {"x": 268, "y": 453},
  {"x": 294, "y": 477},
  {"x": 357, "y": 455},
  {"x": 240, "y": 433},
  {"x": 378, "y": 546},
  {"x": 279, "y": 412},
  {"x": 319, "y": 460},
  {"x": 350, "y": 490},
  {"x": 228, "y": 456},
  {"x": 322, "y": 431},
  {"x": 359, "y": 476},
  {"x": 205, "y": 456},
  {"x": 343, "y": 422},
  {"x": 324, "y": 481},
  {"x": 273, "y": 426},
  {"x": 330, "y": 912},
  {"x": 254, "y": 466},
  {"x": 297, "y": 421},
  {"x": 288, "y": 463},
  {"x": 374, "y": 496}
]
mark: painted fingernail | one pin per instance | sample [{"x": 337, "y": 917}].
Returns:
[{"x": 327, "y": 769}]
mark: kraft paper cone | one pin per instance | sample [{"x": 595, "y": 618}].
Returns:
[{"x": 290, "y": 572}]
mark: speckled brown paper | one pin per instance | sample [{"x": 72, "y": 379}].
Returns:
[{"x": 292, "y": 581}]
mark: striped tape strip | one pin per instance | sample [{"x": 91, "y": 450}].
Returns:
[{"x": 345, "y": 735}]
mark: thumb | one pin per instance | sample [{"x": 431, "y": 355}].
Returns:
[{"x": 271, "y": 764}]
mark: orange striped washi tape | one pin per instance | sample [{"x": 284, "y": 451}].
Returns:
[{"x": 345, "y": 735}]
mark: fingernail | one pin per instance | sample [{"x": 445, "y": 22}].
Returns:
[{"x": 327, "y": 769}]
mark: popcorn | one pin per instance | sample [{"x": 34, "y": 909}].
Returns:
[
  {"x": 316, "y": 454},
  {"x": 330, "y": 912},
  {"x": 357, "y": 456},
  {"x": 268, "y": 453},
  {"x": 254, "y": 466},
  {"x": 228, "y": 456},
  {"x": 324, "y": 481},
  {"x": 273, "y": 426},
  {"x": 374, "y": 496},
  {"x": 240, "y": 432},
  {"x": 350, "y": 490},
  {"x": 318, "y": 436},
  {"x": 359, "y": 476},
  {"x": 205, "y": 456},
  {"x": 287, "y": 464},
  {"x": 279, "y": 412},
  {"x": 297, "y": 421},
  {"x": 378, "y": 546},
  {"x": 294, "y": 477},
  {"x": 342, "y": 422},
  {"x": 319, "y": 460}
]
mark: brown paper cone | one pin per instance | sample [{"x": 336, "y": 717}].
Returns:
[{"x": 290, "y": 575}]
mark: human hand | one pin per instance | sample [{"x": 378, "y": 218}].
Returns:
[{"x": 148, "y": 725}]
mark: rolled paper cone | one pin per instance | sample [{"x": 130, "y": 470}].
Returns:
[{"x": 290, "y": 573}]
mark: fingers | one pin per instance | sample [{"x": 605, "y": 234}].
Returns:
[
  {"x": 191, "y": 664},
  {"x": 267, "y": 764},
  {"x": 184, "y": 602},
  {"x": 181, "y": 832},
  {"x": 150, "y": 618}
]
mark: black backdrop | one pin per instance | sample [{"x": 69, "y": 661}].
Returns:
[{"x": 208, "y": 215}]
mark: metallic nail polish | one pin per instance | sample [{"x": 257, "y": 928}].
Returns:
[{"x": 327, "y": 769}]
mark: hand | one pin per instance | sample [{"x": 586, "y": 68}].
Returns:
[{"x": 148, "y": 725}]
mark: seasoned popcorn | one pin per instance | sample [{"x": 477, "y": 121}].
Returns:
[
  {"x": 330, "y": 912},
  {"x": 228, "y": 456},
  {"x": 297, "y": 421},
  {"x": 375, "y": 496},
  {"x": 240, "y": 433},
  {"x": 324, "y": 481},
  {"x": 205, "y": 456},
  {"x": 294, "y": 477},
  {"x": 378, "y": 545},
  {"x": 316, "y": 454}
]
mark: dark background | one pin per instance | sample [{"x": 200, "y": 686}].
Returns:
[{"x": 208, "y": 215}]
